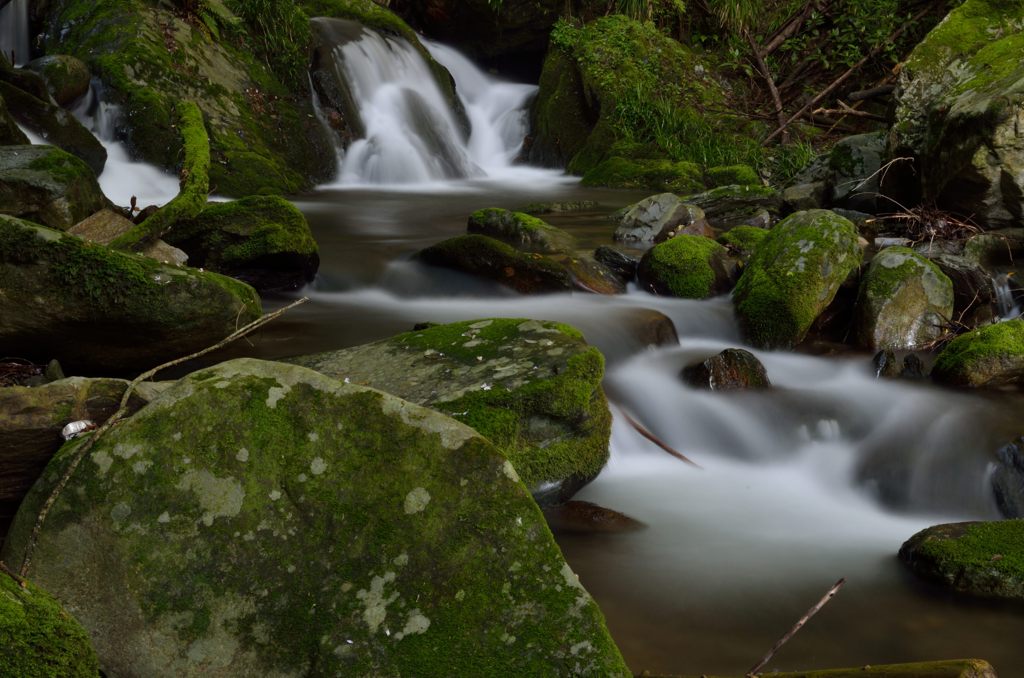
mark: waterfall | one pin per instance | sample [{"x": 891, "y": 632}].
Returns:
[
  {"x": 409, "y": 132},
  {"x": 1006, "y": 304},
  {"x": 14, "y": 31}
]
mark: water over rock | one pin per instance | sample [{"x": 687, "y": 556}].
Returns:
[
  {"x": 687, "y": 266},
  {"x": 905, "y": 301},
  {"x": 98, "y": 310},
  {"x": 262, "y": 519},
  {"x": 46, "y": 185},
  {"x": 531, "y": 387},
  {"x": 992, "y": 355},
  {"x": 793, "y": 276}
]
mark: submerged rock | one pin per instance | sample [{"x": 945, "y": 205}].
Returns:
[
  {"x": 977, "y": 558},
  {"x": 687, "y": 266},
  {"x": 39, "y": 637},
  {"x": 992, "y": 355},
  {"x": 793, "y": 276},
  {"x": 98, "y": 310},
  {"x": 905, "y": 301},
  {"x": 264, "y": 519},
  {"x": 532, "y": 387},
  {"x": 734, "y": 369},
  {"x": 46, "y": 185}
]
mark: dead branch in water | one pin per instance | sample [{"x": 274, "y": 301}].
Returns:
[
  {"x": 658, "y": 441},
  {"x": 796, "y": 627},
  {"x": 83, "y": 450}
]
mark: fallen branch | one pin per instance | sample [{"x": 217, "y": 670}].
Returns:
[
  {"x": 3, "y": 569},
  {"x": 83, "y": 450},
  {"x": 796, "y": 627},
  {"x": 845, "y": 110},
  {"x": 880, "y": 91},
  {"x": 657, "y": 441}
]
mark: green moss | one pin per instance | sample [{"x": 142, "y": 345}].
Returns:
[
  {"x": 793, "y": 275},
  {"x": 520, "y": 230},
  {"x": 989, "y": 354},
  {"x": 743, "y": 239},
  {"x": 883, "y": 282},
  {"x": 684, "y": 266},
  {"x": 65, "y": 167},
  {"x": 729, "y": 175},
  {"x": 658, "y": 175},
  {"x": 39, "y": 637}
]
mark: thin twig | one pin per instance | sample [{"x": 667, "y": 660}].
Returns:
[
  {"x": 796, "y": 627},
  {"x": 81, "y": 452},
  {"x": 3, "y": 569},
  {"x": 657, "y": 441}
]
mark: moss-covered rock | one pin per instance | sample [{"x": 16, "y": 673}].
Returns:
[
  {"x": 992, "y": 355},
  {"x": 978, "y": 558},
  {"x": 958, "y": 116},
  {"x": 67, "y": 78},
  {"x": 738, "y": 205},
  {"x": 264, "y": 241},
  {"x": 656, "y": 175},
  {"x": 492, "y": 259},
  {"x": 10, "y": 133},
  {"x": 96, "y": 309},
  {"x": 687, "y": 266},
  {"x": 905, "y": 301},
  {"x": 264, "y": 519},
  {"x": 264, "y": 135},
  {"x": 657, "y": 218},
  {"x": 524, "y": 232},
  {"x": 794, "y": 274},
  {"x": 531, "y": 387},
  {"x": 39, "y": 637},
  {"x": 47, "y": 185},
  {"x": 742, "y": 241}
]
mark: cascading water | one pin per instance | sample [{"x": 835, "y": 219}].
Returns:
[
  {"x": 1006, "y": 303},
  {"x": 410, "y": 133},
  {"x": 14, "y": 38}
]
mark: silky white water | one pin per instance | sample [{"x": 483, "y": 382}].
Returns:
[{"x": 14, "y": 37}]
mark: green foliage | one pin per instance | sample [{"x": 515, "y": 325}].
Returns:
[
  {"x": 788, "y": 160},
  {"x": 282, "y": 36}
]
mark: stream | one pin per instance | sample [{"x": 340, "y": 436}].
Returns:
[{"x": 822, "y": 477}]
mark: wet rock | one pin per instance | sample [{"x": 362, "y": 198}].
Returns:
[
  {"x": 590, "y": 274},
  {"x": 46, "y": 185},
  {"x": 687, "y": 266},
  {"x": 734, "y": 369},
  {"x": 793, "y": 276},
  {"x": 39, "y": 636},
  {"x": 653, "y": 219},
  {"x": 992, "y": 356},
  {"x": 10, "y": 133},
  {"x": 618, "y": 262},
  {"x": 520, "y": 230},
  {"x": 889, "y": 366},
  {"x": 977, "y": 558},
  {"x": 583, "y": 517},
  {"x": 531, "y": 387},
  {"x": 264, "y": 241},
  {"x": 854, "y": 165},
  {"x": 257, "y": 517},
  {"x": 492, "y": 259},
  {"x": 105, "y": 226},
  {"x": 1008, "y": 479},
  {"x": 97, "y": 310},
  {"x": 67, "y": 78},
  {"x": 747, "y": 205},
  {"x": 905, "y": 301}
]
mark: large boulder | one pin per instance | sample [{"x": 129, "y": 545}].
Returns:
[
  {"x": 98, "y": 310},
  {"x": 658, "y": 218},
  {"x": 46, "y": 185},
  {"x": 905, "y": 301},
  {"x": 977, "y": 558},
  {"x": 67, "y": 78},
  {"x": 959, "y": 113},
  {"x": 264, "y": 241},
  {"x": 262, "y": 519},
  {"x": 992, "y": 355},
  {"x": 264, "y": 135},
  {"x": 495, "y": 260},
  {"x": 793, "y": 275},
  {"x": 687, "y": 266},
  {"x": 531, "y": 387},
  {"x": 39, "y": 637}
]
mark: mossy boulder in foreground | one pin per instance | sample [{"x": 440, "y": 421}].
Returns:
[
  {"x": 794, "y": 274},
  {"x": 261, "y": 240},
  {"x": 262, "y": 519},
  {"x": 905, "y": 301},
  {"x": 47, "y": 185},
  {"x": 99, "y": 310},
  {"x": 687, "y": 266},
  {"x": 978, "y": 558},
  {"x": 532, "y": 387},
  {"x": 992, "y": 355},
  {"x": 40, "y": 638}
]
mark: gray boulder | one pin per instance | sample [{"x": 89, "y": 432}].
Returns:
[
  {"x": 854, "y": 165},
  {"x": 658, "y": 218},
  {"x": 46, "y": 185},
  {"x": 262, "y": 519}
]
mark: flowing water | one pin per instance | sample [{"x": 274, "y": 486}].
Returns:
[
  {"x": 14, "y": 37},
  {"x": 822, "y": 477}
]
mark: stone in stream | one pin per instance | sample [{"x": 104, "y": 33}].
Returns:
[
  {"x": 39, "y": 637},
  {"x": 854, "y": 169},
  {"x": 260, "y": 518},
  {"x": 983, "y": 559},
  {"x": 1008, "y": 479},
  {"x": 520, "y": 230},
  {"x": 48, "y": 186},
  {"x": 492, "y": 259},
  {"x": 657, "y": 218},
  {"x": 734, "y": 369},
  {"x": 98, "y": 310},
  {"x": 991, "y": 356},
  {"x": 793, "y": 275},
  {"x": 905, "y": 301},
  {"x": 532, "y": 387},
  {"x": 687, "y": 266},
  {"x": 622, "y": 265}
]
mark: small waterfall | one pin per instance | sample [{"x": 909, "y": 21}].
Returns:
[
  {"x": 14, "y": 31},
  {"x": 1006, "y": 304},
  {"x": 409, "y": 133}
]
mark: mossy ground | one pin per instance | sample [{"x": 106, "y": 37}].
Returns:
[
  {"x": 684, "y": 266},
  {"x": 656, "y": 175}
]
